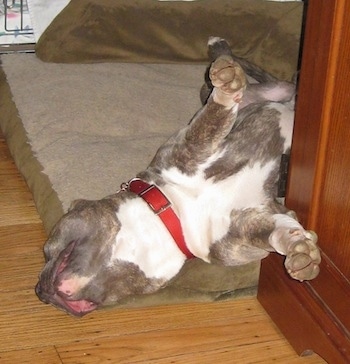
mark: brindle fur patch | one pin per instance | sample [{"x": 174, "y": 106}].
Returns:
[
  {"x": 265, "y": 143},
  {"x": 246, "y": 239},
  {"x": 122, "y": 280},
  {"x": 195, "y": 144}
]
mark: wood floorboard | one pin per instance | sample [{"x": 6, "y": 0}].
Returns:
[
  {"x": 44, "y": 355},
  {"x": 22, "y": 239},
  {"x": 31, "y": 332}
]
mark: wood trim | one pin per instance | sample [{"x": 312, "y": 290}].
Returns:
[
  {"x": 302, "y": 315},
  {"x": 315, "y": 315},
  {"x": 311, "y": 108}
]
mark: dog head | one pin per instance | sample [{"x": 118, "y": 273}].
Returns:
[{"x": 95, "y": 256}]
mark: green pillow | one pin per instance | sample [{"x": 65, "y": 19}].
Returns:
[{"x": 267, "y": 33}]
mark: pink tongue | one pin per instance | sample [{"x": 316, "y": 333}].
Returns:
[{"x": 81, "y": 305}]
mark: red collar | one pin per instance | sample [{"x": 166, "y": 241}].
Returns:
[{"x": 161, "y": 206}]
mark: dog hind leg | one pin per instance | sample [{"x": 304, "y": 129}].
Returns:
[
  {"x": 299, "y": 246},
  {"x": 216, "y": 119},
  {"x": 254, "y": 233},
  {"x": 266, "y": 87},
  {"x": 218, "y": 47}
]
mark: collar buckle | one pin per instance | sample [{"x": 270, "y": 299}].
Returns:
[{"x": 158, "y": 205}]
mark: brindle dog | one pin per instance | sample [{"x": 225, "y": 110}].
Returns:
[{"x": 214, "y": 180}]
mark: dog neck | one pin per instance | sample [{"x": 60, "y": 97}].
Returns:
[{"x": 161, "y": 207}]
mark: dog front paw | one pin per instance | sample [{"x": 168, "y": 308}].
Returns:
[
  {"x": 228, "y": 76},
  {"x": 303, "y": 258}
]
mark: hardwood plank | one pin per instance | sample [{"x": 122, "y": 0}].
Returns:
[
  {"x": 20, "y": 210},
  {"x": 20, "y": 273},
  {"x": 46, "y": 355},
  {"x": 18, "y": 217},
  {"x": 178, "y": 346},
  {"x": 49, "y": 326},
  {"x": 16, "y": 203},
  {"x": 21, "y": 239}
]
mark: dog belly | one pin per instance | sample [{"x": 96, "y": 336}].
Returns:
[{"x": 204, "y": 206}]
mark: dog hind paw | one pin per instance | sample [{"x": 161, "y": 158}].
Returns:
[
  {"x": 303, "y": 258},
  {"x": 227, "y": 75}
]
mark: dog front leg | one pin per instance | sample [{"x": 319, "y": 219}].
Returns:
[{"x": 299, "y": 246}]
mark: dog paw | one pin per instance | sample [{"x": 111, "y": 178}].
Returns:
[
  {"x": 228, "y": 76},
  {"x": 303, "y": 258}
]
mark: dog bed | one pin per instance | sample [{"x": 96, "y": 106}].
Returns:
[{"x": 92, "y": 111}]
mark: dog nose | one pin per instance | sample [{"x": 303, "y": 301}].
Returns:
[
  {"x": 39, "y": 293},
  {"x": 38, "y": 289}
]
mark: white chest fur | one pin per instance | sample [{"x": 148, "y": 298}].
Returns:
[
  {"x": 145, "y": 241},
  {"x": 204, "y": 206}
]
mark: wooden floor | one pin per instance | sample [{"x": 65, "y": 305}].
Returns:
[{"x": 32, "y": 332}]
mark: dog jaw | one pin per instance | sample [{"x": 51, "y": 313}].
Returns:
[{"x": 77, "y": 308}]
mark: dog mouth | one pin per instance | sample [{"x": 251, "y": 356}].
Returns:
[
  {"x": 77, "y": 308},
  {"x": 48, "y": 290}
]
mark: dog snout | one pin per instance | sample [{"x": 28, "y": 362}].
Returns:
[
  {"x": 38, "y": 289},
  {"x": 40, "y": 293}
]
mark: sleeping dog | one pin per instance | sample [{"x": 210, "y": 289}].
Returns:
[{"x": 209, "y": 192}]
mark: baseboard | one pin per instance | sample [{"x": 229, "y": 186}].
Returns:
[{"x": 313, "y": 316}]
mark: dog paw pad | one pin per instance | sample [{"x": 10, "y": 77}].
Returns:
[
  {"x": 227, "y": 75},
  {"x": 303, "y": 258}
]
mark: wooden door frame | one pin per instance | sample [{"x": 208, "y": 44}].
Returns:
[{"x": 313, "y": 316}]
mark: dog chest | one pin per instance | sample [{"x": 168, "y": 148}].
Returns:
[{"x": 204, "y": 205}]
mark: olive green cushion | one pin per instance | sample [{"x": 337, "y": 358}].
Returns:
[{"x": 267, "y": 33}]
